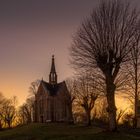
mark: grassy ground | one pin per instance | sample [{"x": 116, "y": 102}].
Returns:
[{"x": 62, "y": 132}]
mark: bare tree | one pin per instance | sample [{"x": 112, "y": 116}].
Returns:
[
  {"x": 2, "y": 99},
  {"x": 86, "y": 94},
  {"x": 104, "y": 41},
  {"x": 120, "y": 114},
  {"x": 71, "y": 84},
  {"x": 26, "y": 111},
  {"x": 133, "y": 69},
  {"x": 33, "y": 90},
  {"x": 101, "y": 112},
  {"x": 8, "y": 112},
  {"x": 127, "y": 119},
  {"x": 34, "y": 87}
]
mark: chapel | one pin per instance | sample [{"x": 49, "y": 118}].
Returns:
[{"x": 53, "y": 100}]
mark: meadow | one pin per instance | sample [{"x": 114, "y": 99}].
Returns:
[{"x": 62, "y": 132}]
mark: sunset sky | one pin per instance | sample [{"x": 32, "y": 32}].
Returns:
[{"x": 30, "y": 32}]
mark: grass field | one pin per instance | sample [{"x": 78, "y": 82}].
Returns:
[{"x": 62, "y": 132}]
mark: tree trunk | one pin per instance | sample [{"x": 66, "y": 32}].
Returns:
[
  {"x": 136, "y": 97},
  {"x": 88, "y": 112},
  {"x": 135, "y": 111},
  {"x": 110, "y": 87},
  {"x": 9, "y": 124}
]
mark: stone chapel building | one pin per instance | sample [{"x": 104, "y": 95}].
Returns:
[{"x": 53, "y": 101}]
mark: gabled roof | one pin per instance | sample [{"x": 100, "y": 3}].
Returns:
[{"x": 53, "y": 89}]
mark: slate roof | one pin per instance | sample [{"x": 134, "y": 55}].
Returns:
[{"x": 53, "y": 89}]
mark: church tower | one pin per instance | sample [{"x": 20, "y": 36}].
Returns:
[{"x": 53, "y": 75}]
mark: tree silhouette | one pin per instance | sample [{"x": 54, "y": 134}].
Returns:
[
  {"x": 104, "y": 41},
  {"x": 86, "y": 94},
  {"x": 26, "y": 111},
  {"x": 34, "y": 87},
  {"x": 8, "y": 112},
  {"x": 133, "y": 69}
]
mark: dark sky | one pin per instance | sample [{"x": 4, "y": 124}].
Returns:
[{"x": 30, "y": 32}]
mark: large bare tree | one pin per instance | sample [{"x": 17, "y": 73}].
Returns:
[
  {"x": 86, "y": 93},
  {"x": 104, "y": 41}
]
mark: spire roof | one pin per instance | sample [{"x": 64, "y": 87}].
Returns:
[
  {"x": 53, "y": 65},
  {"x": 53, "y": 75}
]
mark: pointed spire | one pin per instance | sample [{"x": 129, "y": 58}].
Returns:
[
  {"x": 53, "y": 75},
  {"x": 53, "y": 65}
]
